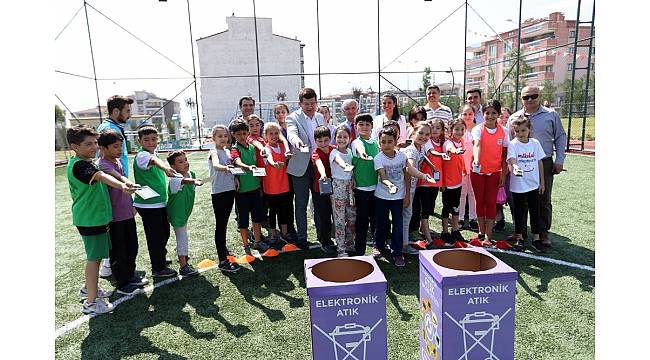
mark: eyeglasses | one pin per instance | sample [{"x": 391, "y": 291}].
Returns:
[{"x": 531, "y": 96}]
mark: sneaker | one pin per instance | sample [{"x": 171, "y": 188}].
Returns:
[
  {"x": 289, "y": 238},
  {"x": 500, "y": 225},
  {"x": 105, "y": 269},
  {"x": 457, "y": 236},
  {"x": 410, "y": 250},
  {"x": 169, "y": 261},
  {"x": 101, "y": 293},
  {"x": 386, "y": 254},
  {"x": 99, "y": 306},
  {"x": 247, "y": 249},
  {"x": 546, "y": 241},
  {"x": 227, "y": 266},
  {"x": 128, "y": 289},
  {"x": 188, "y": 270},
  {"x": 538, "y": 246},
  {"x": 166, "y": 272},
  {"x": 376, "y": 253},
  {"x": 329, "y": 250},
  {"x": 138, "y": 280},
  {"x": 302, "y": 244},
  {"x": 446, "y": 237},
  {"x": 260, "y": 246},
  {"x": 473, "y": 224},
  {"x": 399, "y": 261},
  {"x": 518, "y": 246},
  {"x": 461, "y": 223}
]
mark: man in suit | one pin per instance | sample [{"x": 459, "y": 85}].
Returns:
[{"x": 300, "y": 134}]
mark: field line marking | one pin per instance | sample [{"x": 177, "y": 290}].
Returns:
[{"x": 545, "y": 259}]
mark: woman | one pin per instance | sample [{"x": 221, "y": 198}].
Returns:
[{"x": 391, "y": 112}]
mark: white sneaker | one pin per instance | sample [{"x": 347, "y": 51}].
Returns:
[
  {"x": 105, "y": 269},
  {"x": 99, "y": 306},
  {"x": 409, "y": 250},
  {"x": 101, "y": 293}
]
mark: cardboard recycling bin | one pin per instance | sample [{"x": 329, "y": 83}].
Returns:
[
  {"x": 467, "y": 305},
  {"x": 347, "y": 306}
]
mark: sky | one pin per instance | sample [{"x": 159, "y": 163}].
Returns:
[{"x": 150, "y": 40}]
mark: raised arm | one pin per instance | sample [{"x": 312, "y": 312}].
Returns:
[
  {"x": 292, "y": 132},
  {"x": 214, "y": 157},
  {"x": 155, "y": 161}
]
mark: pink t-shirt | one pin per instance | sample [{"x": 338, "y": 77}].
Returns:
[{"x": 469, "y": 148}]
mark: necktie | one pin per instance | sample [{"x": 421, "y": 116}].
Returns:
[{"x": 354, "y": 133}]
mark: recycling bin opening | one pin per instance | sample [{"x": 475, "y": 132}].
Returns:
[
  {"x": 464, "y": 260},
  {"x": 342, "y": 270}
]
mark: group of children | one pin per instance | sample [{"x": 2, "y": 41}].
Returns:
[{"x": 363, "y": 183}]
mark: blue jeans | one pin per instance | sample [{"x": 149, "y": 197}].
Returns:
[
  {"x": 302, "y": 186},
  {"x": 382, "y": 208}
]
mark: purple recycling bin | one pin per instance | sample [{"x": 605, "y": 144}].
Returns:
[
  {"x": 467, "y": 305},
  {"x": 347, "y": 306}
]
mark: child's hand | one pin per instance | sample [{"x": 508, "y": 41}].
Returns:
[
  {"x": 406, "y": 202},
  {"x": 365, "y": 156},
  {"x": 460, "y": 151},
  {"x": 279, "y": 164},
  {"x": 127, "y": 189},
  {"x": 251, "y": 168},
  {"x": 198, "y": 182},
  {"x": 323, "y": 177},
  {"x": 445, "y": 157},
  {"x": 541, "y": 188},
  {"x": 428, "y": 178},
  {"x": 288, "y": 155},
  {"x": 170, "y": 172}
]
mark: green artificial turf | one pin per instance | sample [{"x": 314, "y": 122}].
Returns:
[{"x": 262, "y": 312}]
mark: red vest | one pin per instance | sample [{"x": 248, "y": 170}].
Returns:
[
  {"x": 437, "y": 162},
  {"x": 276, "y": 180},
  {"x": 491, "y": 150},
  {"x": 454, "y": 169}
]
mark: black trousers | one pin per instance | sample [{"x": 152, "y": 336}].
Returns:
[
  {"x": 545, "y": 205},
  {"x": 156, "y": 230},
  {"x": 524, "y": 203},
  {"x": 450, "y": 202},
  {"x": 323, "y": 204},
  {"x": 124, "y": 250},
  {"x": 222, "y": 206},
  {"x": 279, "y": 207},
  {"x": 365, "y": 203}
]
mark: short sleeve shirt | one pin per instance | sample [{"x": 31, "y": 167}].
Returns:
[
  {"x": 527, "y": 156},
  {"x": 121, "y": 203},
  {"x": 337, "y": 171},
  {"x": 394, "y": 170},
  {"x": 411, "y": 152}
]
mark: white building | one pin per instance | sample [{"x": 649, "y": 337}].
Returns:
[{"x": 232, "y": 53}]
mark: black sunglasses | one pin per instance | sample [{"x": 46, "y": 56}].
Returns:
[{"x": 532, "y": 96}]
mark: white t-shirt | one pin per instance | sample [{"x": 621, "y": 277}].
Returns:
[
  {"x": 142, "y": 160},
  {"x": 378, "y": 123},
  {"x": 394, "y": 170},
  {"x": 527, "y": 156},
  {"x": 411, "y": 152},
  {"x": 337, "y": 171},
  {"x": 476, "y": 133},
  {"x": 176, "y": 183}
]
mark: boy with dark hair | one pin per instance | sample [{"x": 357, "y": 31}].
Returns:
[
  {"x": 248, "y": 198},
  {"x": 180, "y": 205},
  {"x": 320, "y": 157},
  {"x": 364, "y": 148},
  {"x": 122, "y": 229},
  {"x": 150, "y": 171},
  {"x": 91, "y": 212}
]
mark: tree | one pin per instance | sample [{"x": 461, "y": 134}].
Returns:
[
  {"x": 578, "y": 94},
  {"x": 356, "y": 92},
  {"x": 59, "y": 128},
  {"x": 548, "y": 91},
  {"x": 510, "y": 74},
  {"x": 426, "y": 79},
  {"x": 281, "y": 96},
  {"x": 492, "y": 86}
]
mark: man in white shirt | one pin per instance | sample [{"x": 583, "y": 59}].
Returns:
[
  {"x": 350, "y": 108},
  {"x": 434, "y": 109},
  {"x": 474, "y": 100}
]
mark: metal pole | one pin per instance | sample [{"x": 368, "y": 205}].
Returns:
[
  {"x": 378, "y": 63},
  {"x": 573, "y": 75},
  {"x": 516, "y": 100},
  {"x": 196, "y": 92},
  {"x": 586, "y": 96},
  {"x": 464, "y": 55},
  {"x": 92, "y": 57},
  {"x": 320, "y": 94},
  {"x": 257, "y": 54}
]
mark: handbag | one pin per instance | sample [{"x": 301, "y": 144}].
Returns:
[
  {"x": 325, "y": 187},
  {"x": 501, "y": 195}
]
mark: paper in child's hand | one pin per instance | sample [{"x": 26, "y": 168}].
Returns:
[
  {"x": 146, "y": 192},
  {"x": 259, "y": 172},
  {"x": 236, "y": 171}
]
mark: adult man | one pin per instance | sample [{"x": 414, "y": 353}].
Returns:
[
  {"x": 434, "y": 109},
  {"x": 548, "y": 130},
  {"x": 119, "y": 112},
  {"x": 474, "y": 100},
  {"x": 350, "y": 108},
  {"x": 246, "y": 106},
  {"x": 300, "y": 132}
]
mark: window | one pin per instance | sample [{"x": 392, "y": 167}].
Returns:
[
  {"x": 571, "y": 50},
  {"x": 549, "y": 68},
  {"x": 569, "y": 67},
  {"x": 572, "y": 34},
  {"x": 493, "y": 50},
  {"x": 593, "y": 66},
  {"x": 507, "y": 46}
]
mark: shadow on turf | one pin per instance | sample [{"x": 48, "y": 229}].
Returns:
[{"x": 120, "y": 334}]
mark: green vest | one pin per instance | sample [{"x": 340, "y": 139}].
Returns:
[
  {"x": 364, "y": 170},
  {"x": 179, "y": 205},
  {"x": 91, "y": 205},
  {"x": 155, "y": 178},
  {"x": 247, "y": 182}
]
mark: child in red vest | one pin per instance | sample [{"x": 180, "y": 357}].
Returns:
[
  {"x": 454, "y": 171},
  {"x": 488, "y": 168}
]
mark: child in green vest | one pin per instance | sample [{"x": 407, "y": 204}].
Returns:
[
  {"x": 179, "y": 206},
  {"x": 365, "y": 180},
  {"x": 149, "y": 170},
  {"x": 91, "y": 212},
  {"x": 248, "y": 197}
]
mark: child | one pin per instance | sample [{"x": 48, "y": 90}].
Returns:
[
  {"x": 327, "y": 116},
  {"x": 223, "y": 193},
  {"x": 150, "y": 171},
  {"x": 392, "y": 166},
  {"x": 180, "y": 205},
  {"x": 467, "y": 198},
  {"x": 427, "y": 192},
  {"x": 500, "y": 221},
  {"x": 320, "y": 158},
  {"x": 488, "y": 168},
  {"x": 415, "y": 154},
  {"x": 280, "y": 111},
  {"x": 343, "y": 198},
  {"x": 364, "y": 149},
  {"x": 91, "y": 212},
  {"x": 525, "y": 156},
  {"x": 416, "y": 114},
  {"x": 248, "y": 197},
  {"x": 122, "y": 229},
  {"x": 453, "y": 171},
  {"x": 276, "y": 183}
]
